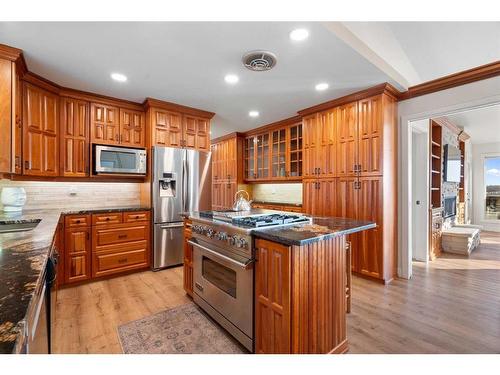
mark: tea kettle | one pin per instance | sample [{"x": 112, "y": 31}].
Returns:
[{"x": 240, "y": 203}]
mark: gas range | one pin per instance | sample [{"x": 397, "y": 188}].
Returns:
[{"x": 231, "y": 231}]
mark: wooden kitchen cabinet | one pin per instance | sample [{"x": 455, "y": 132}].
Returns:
[
  {"x": 319, "y": 144},
  {"x": 347, "y": 140},
  {"x": 188, "y": 259},
  {"x": 132, "y": 128},
  {"x": 274, "y": 155},
  {"x": 370, "y": 125},
  {"x": 74, "y": 144},
  {"x": 40, "y": 132},
  {"x": 105, "y": 124},
  {"x": 10, "y": 118},
  {"x": 300, "y": 297},
  {"x": 177, "y": 126},
  {"x": 320, "y": 197},
  {"x": 77, "y": 254}
]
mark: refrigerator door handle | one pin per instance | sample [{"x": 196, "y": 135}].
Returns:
[
  {"x": 169, "y": 226},
  {"x": 184, "y": 185}
]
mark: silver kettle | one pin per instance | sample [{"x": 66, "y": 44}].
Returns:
[{"x": 240, "y": 203}]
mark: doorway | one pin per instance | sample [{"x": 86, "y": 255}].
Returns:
[{"x": 419, "y": 190}]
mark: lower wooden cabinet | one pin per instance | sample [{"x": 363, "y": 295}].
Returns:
[
  {"x": 105, "y": 244},
  {"x": 300, "y": 297},
  {"x": 223, "y": 195},
  {"x": 77, "y": 254},
  {"x": 188, "y": 259}
]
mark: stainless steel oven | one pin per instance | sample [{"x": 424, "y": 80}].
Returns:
[
  {"x": 223, "y": 287},
  {"x": 111, "y": 159}
]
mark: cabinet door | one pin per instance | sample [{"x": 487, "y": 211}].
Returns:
[
  {"x": 295, "y": 146},
  {"x": 202, "y": 134},
  {"x": 347, "y": 140},
  {"x": 326, "y": 128},
  {"x": 229, "y": 192},
  {"x": 272, "y": 298},
  {"x": 263, "y": 160},
  {"x": 188, "y": 262},
  {"x": 132, "y": 128},
  {"x": 105, "y": 124},
  {"x": 40, "y": 132},
  {"x": 250, "y": 158},
  {"x": 310, "y": 196},
  {"x": 310, "y": 125},
  {"x": 217, "y": 200},
  {"x": 167, "y": 128},
  {"x": 214, "y": 148},
  {"x": 231, "y": 161},
  {"x": 189, "y": 132},
  {"x": 279, "y": 166},
  {"x": 77, "y": 254},
  {"x": 370, "y": 245},
  {"x": 370, "y": 118},
  {"x": 347, "y": 206},
  {"x": 75, "y": 148},
  {"x": 327, "y": 197},
  {"x": 18, "y": 125}
]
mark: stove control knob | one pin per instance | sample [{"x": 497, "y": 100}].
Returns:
[
  {"x": 232, "y": 240},
  {"x": 241, "y": 242},
  {"x": 221, "y": 236},
  {"x": 210, "y": 233},
  {"x": 197, "y": 229}
]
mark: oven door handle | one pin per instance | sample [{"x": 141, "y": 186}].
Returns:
[{"x": 246, "y": 265}]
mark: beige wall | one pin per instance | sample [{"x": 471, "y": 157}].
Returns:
[
  {"x": 278, "y": 193},
  {"x": 46, "y": 195}
]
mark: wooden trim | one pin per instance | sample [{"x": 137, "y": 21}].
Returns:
[
  {"x": 151, "y": 102},
  {"x": 457, "y": 79},
  {"x": 15, "y": 55},
  {"x": 41, "y": 82},
  {"x": 445, "y": 122},
  {"x": 92, "y": 97},
  {"x": 384, "y": 88},
  {"x": 92, "y": 178},
  {"x": 227, "y": 136},
  {"x": 463, "y": 136},
  {"x": 342, "y": 348},
  {"x": 274, "y": 125}
]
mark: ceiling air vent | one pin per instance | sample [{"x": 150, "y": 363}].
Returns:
[{"x": 259, "y": 60}]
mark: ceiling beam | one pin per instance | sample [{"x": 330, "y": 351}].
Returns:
[{"x": 376, "y": 42}]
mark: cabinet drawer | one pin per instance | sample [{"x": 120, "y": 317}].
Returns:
[
  {"x": 110, "y": 236},
  {"x": 131, "y": 217},
  {"x": 108, "y": 218},
  {"x": 72, "y": 221},
  {"x": 131, "y": 257}
]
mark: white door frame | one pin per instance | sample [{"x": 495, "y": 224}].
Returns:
[{"x": 404, "y": 184}]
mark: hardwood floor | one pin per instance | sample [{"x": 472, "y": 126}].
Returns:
[{"x": 450, "y": 306}]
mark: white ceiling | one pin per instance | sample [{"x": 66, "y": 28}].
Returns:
[
  {"x": 186, "y": 63},
  {"x": 482, "y": 124},
  {"x": 437, "y": 49}
]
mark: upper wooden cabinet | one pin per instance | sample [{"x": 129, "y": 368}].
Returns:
[
  {"x": 112, "y": 125},
  {"x": 173, "y": 125},
  {"x": 275, "y": 154},
  {"x": 74, "y": 137},
  {"x": 40, "y": 132},
  {"x": 319, "y": 144},
  {"x": 105, "y": 124},
  {"x": 132, "y": 128},
  {"x": 347, "y": 140}
]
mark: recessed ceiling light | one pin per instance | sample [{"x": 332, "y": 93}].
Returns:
[
  {"x": 119, "y": 77},
  {"x": 299, "y": 35},
  {"x": 253, "y": 113},
  {"x": 231, "y": 78},
  {"x": 321, "y": 86}
]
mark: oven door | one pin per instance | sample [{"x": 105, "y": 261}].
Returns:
[
  {"x": 225, "y": 284},
  {"x": 108, "y": 159}
]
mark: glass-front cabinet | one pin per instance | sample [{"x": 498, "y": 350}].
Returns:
[{"x": 274, "y": 155}]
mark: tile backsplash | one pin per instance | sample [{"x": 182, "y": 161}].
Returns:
[
  {"x": 46, "y": 195},
  {"x": 278, "y": 193}
]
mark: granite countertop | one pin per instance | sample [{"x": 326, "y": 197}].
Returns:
[
  {"x": 23, "y": 256},
  {"x": 320, "y": 229}
]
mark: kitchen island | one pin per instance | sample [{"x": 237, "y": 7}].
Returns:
[{"x": 300, "y": 279}]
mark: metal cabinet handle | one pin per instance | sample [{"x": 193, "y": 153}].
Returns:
[{"x": 170, "y": 226}]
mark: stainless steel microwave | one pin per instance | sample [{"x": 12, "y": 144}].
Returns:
[{"x": 111, "y": 159}]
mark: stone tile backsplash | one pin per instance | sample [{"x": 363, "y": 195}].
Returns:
[
  {"x": 278, "y": 193},
  {"x": 47, "y": 195}
]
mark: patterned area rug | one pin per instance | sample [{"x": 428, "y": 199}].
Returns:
[{"x": 183, "y": 329}]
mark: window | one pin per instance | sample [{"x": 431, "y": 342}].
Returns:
[{"x": 492, "y": 183}]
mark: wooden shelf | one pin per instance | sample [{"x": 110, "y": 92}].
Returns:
[
  {"x": 435, "y": 189},
  {"x": 434, "y": 143},
  {"x": 435, "y": 156},
  {"x": 435, "y": 172}
]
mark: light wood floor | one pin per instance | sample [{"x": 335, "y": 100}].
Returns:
[{"x": 450, "y": 306}]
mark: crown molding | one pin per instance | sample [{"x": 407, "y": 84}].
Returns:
[{"x": 151, "y": 102}]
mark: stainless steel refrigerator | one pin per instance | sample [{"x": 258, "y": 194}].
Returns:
[{"x": 181, "y": 182}]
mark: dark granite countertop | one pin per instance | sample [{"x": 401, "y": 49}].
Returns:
[
  {"x": 23, "y": 256},
  {"x": 321, "y": 228}
]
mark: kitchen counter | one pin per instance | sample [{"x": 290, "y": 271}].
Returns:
[
  {"x": 320, "y": 229},
  {"x": 23, "y": 256}
]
